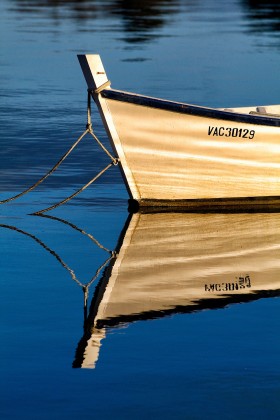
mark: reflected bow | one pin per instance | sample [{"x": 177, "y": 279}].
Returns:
[{"x": 170, "y": 263}]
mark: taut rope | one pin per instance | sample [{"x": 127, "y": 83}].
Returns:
[
  {"x": 89, "y": 130},
  {"x": 75, "y": 193},
  {"x": 48, "y": 173}
]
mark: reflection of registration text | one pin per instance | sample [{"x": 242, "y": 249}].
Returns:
[{"x": 241, "y": 282}]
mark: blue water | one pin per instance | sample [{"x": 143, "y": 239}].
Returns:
[{"x": 221, "y": 363}]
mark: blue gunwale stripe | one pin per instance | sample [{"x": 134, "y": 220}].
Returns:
[{"x": 183, "y": 108}]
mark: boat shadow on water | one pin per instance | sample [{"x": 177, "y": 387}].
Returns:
[{"x": 175, "y": 263}]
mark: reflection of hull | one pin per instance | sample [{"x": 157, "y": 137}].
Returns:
[
  {"x": 176, "y": 153},
  {"x": 171, "y": 263}
]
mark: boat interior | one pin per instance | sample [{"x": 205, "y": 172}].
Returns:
[{"x": 265, "y": 111}]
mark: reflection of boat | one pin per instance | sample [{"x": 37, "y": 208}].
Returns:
[
  {"x": 170, "y": 263},
  {"x": 175, "y": 153}
]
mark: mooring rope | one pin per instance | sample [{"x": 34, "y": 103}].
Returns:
[
  {"x": 89, "y": 130},
  {"x": 43, "y": 245},
  {"x": 89, "y": 123},
  {"x": 84, "y": 287},
  {"x": 48, "y": 173},
  {"x": 78, "y": 229},
  {"x": 75, "y": 193}
]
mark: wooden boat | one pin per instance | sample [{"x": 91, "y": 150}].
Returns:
[
  {"x": 174, "y": 153},
  {"x": 170, "y": 263}
]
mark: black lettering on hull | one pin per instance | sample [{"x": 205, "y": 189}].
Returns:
[{"x": 233, "y": 132}]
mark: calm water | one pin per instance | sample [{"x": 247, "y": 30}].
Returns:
[{"x": 195, "y": 359}]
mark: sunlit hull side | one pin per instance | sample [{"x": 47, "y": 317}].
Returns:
[
  {"x": 178, "y": 153},
  {"x": 180, "y": 263}
]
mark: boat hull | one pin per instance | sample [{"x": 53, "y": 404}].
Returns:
[
  {"x": 174, "y": 153},
  {"x": 179, "y": 156}
]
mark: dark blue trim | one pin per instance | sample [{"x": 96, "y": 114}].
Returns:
[{"x": 188, "y": 109}]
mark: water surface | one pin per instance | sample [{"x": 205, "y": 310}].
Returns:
[{"x": 183, "y": 354}]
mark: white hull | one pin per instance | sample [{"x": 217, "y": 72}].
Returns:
[
  {"x": 171, "y": 155},
  {"x": 174, "y": 152}
]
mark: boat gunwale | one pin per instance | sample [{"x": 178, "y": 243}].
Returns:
[{"x": 183, "y": 108}]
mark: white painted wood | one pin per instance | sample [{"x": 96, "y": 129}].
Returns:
[
  {"x": 165, "y": 155},
  {"x": 172, "y": 156},
  {"x": 95, "y": 76},
  {"x": 93, "y": 70}
]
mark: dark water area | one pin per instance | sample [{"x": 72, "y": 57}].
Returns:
[{"x": 65, "y": 352}]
